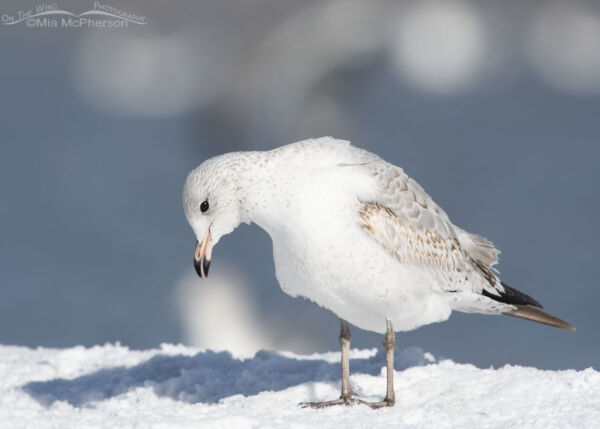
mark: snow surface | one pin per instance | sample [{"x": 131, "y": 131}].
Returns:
[{"x": 176, "y": 386}]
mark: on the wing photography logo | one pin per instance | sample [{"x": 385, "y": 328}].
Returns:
[{"x": 51, "y": 16}]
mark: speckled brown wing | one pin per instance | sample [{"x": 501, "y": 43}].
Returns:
[{"x": 409, "y": 225}]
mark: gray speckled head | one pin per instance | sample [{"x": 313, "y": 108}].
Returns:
[{"x": 216, "y": 184}]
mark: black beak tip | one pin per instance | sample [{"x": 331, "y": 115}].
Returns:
[{"x": 198, "y": 267}]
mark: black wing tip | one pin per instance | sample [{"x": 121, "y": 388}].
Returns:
[{"x": 512, "y": 296}]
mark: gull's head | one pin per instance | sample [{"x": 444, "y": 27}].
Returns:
[{"x": 212, "y": 206}]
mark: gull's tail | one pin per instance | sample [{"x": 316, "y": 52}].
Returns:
[
  {"x": 527, "y": 308},
  {"x": 530, "y": 312}
]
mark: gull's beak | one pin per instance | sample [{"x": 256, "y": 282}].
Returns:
[{"x": 202, "y": 256}]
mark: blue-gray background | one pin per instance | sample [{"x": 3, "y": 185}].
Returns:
[{"x": 493, "y": 107}]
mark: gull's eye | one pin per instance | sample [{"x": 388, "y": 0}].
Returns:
[{"x": 204, "y": 206}]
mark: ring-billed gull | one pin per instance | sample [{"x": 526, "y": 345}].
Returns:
[{"x": 356, "y": 235}]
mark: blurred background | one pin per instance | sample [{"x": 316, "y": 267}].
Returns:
[{"x": 493, "y": 107}]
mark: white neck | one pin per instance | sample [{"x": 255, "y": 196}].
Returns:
[{"x": 261, "y": 190}]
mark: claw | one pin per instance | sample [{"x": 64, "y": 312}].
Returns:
[
  {"x": 379, "y": 404},
  {"x": 324, "y": 404}
]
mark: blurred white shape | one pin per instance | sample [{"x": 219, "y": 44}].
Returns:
[
  {"x": 438, "y": 45},
  {"x": 565, "y": 47},
  {"x": 218, "y": 313},
  {"x": 150, "y": 75}
]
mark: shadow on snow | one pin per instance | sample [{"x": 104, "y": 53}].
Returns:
[{"x": 208, "y": 376}]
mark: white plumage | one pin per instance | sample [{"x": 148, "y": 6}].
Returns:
[{"x": 351, "y": 232}]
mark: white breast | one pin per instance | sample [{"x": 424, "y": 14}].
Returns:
[{"x": 322, "y": 253}]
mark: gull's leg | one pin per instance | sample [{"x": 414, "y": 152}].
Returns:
[
  {"x": 344, "y": 339},
  {"x": 347, "y": 393},
  {"x": 389, "y": 342}
]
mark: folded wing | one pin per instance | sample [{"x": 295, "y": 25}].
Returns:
[{"x": 409, "y": 225}]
